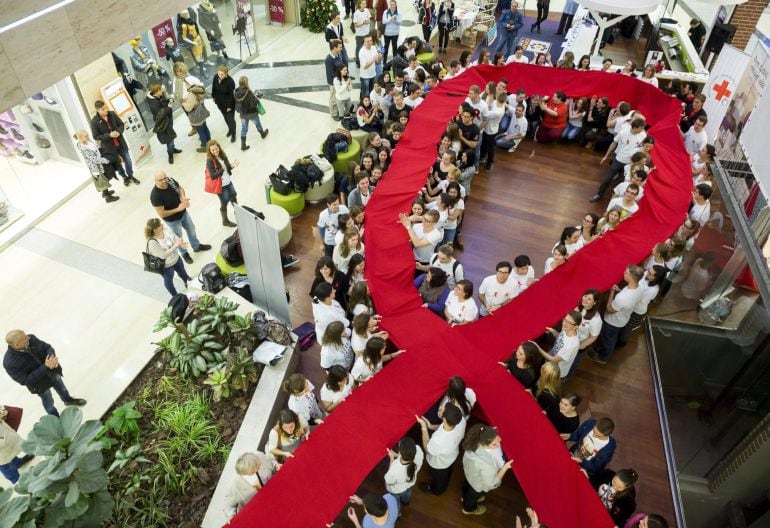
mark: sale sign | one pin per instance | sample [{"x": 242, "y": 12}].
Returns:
[
  {"x": 276, "y": 11},
  {"x": 160, "y": 33}
]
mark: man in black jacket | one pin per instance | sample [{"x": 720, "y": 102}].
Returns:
[
  {"x": 222, "y": 88},
  {"x": 33, "y": 363},
  {"x": 331, "y": 62},
  {"x": 107, "y": 128}
]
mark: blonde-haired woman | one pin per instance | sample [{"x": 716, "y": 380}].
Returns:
[
  {"x": 102, "y": 169},
  {"x": 253, "y": 471},
  {"x": 219, "y": 167},
  {"x": 549, "y": 389},
  {"x": 247, "y": 105},
  {"x": 164, "y": 244}
]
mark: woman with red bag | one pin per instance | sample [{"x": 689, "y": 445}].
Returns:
[
  {"x": 10, "y": 447},
  {"x": 218, "y": 178}
]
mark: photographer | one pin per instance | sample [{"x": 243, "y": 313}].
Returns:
[{"x": 508, "y": 28}]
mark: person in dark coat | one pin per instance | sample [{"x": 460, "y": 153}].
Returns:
[
  {"x": 161, "y": 107},
  {"x": 594, "y": 446},
  {"x": 107, "y": 128},
  {"x": 33, "y": 363},
  {"x": 222, "y": 88}
]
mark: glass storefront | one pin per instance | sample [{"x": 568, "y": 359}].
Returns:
[
  {"x": 39, "y": 164},
  {"x": 711, "y": 341}
]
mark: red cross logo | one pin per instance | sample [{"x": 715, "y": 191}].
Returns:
[
  {"x": 722, "y": 90},
  {"x": 313, "y": 487}
]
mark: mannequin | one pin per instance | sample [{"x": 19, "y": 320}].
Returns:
[
  {"x": 191, "y": 38},
  {"x": 209, "y": 20},
  {"x": 142, "y": 61},
  {"x": 173, "y": 52}
]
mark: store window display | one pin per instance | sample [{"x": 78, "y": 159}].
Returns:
[
  {"x": 190, "y": 37},
  {"x": 144, "y": 63}
]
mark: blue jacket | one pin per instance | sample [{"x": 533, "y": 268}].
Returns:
[
  {"x": 438, "y": 306},
  {"x": 597, "y": 464},
  {"x": 510, "y": 17}
]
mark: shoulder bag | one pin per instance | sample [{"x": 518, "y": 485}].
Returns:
[
  {"x": 152, "y": 263},
  {"x": 212, "y": 185},
  {"x": 11, "y": 416}
]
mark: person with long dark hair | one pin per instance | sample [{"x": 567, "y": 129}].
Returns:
[
  {"x": 523, "y": 364},
  {"x": 588, "y": 227},
  {"x": 402, "y": 471},
  {"x": 326, "y": 310},
  {"x": 283, "y": 439},
  {"x": 457, "y": 393},
  {"x": 326, "y": 271},
  {"x": 483, "y": 465},
  {"x": 617, "y": 492},
  {"x": 338, "y": 386},
  {"x": 433, "y": 289},
  {"x": 219, "y": 167}
]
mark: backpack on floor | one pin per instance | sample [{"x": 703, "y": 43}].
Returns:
[
  {"x": 211, "y": 278},
  {"x": 349, "y": 123}
]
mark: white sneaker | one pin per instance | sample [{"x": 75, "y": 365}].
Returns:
[{"x": 513, "y": 148}]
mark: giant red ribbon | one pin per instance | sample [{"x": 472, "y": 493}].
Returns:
[{"x": 311, "y": 489}]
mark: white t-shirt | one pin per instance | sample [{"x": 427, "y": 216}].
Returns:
[
  {"x": 364, "y": 57},
  {"x": 470, "y": 395},
  {"x": 328, "y": 221},
  {"x": 444, "y": 446},
  {"x": 517, "y": 127},
  {"x": 701, "y": 213},
  {"x": 413, "y": 103},
  {"x": 494, "y": 116},
  {"x": 497, "y": 294},
  {"x": 461, "y": 310},
  {"x": 412, "y": 73},
  {"x": 521, "y": 60},
  {"x": 624, "y": 303},
  {"x": 620, "y": 120},
  {"x": 342, "y": 262},
  {"x": 358, "y": 343},
  {"x": 566, "y": 348},
  {"x": 628, "y": 144},
  {"x": 523, "y": 280},
  {"x": 622, "y": 186},
  {"x": 453, "y": 269},
  {"x": 443, "y": 184},
  {"x": 325, "y": 315},
  {"x": 337, "y": 354},
  {"x": 648, "y": 295},
  {"x": 452, "y": 224},
  {"x": 694, "y": 141},
  {"x": 589, "y": 327},
  {"x": 626, "y": 210},
  {"x": 593, "y": 445},
  {"x": 547, "y": 267},
  {"x": 306, "y": 405},
  {"x": 328, "y": 395},
  {"x": 396, "y": 477},
  {"x": 423, "y": 253},
  {"x": 361, "y": 371},
  {"x": 481, "y": 110},
  {"x": 363, "y": 18},
  {"x": 443, "y": 215}
]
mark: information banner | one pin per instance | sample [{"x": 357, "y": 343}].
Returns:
[
  {"x": 160, "y": 33},
  {"x": 721, "y": 86},
  {"x": 243, "y": 11},
  {"x": 754, "y": 137},
  {"x": 276, "y": 11}
]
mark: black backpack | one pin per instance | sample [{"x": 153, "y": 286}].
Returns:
[
  {"x": 178, "y": 305},
  {"x": 349, "y": 122},
  {"x": 281, "y": 182},
  {"x": 229, "y": 250},
  {"x": 211, "y": 278}
]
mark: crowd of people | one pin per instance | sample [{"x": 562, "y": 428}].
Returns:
[{"x": 354, "y": 347}]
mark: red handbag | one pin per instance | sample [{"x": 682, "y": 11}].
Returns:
[
  {"x": 13, "y": 418},
  {"x": 212, "y": 185}
]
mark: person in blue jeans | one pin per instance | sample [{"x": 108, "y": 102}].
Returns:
[
  {"x": 402, "y": 472},
  {"x": 170, "y": 202},
  {"x": 381, "y": 511},
  {"x": 107, "y": 128},
  {"x": 508, "y": 29},
  {"x": 10, "y": 447},
  {"x": 164, "y": 244},
  {"x": 33, "y": 363},
  {"x": 247, "y": 105}
]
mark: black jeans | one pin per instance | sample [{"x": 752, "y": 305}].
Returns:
[
  {"x": 488, "y": 147},
  {"x": 470, "y": 497},
  {"x": 350, "y": 6},
  {"x": 426, "y": 31},
  {"x": 565, "y": 23},
  {"x": 542, "y": 13},
  {"x": 443, "y": 35},
  {"x": 390, "y": 40},
  {"x": 230, "y": 120},
  {"x": 615, "y": 173},
  {"x": 440, "y": 479}
]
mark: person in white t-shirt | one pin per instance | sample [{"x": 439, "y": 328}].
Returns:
[
  {"x": 480, "y": 114},
  {"x": 495, "y": 114},
  {"x": 516, "y": 131},
  {"x": 460, "y": 395},
  {"x": 338, "y": 386},
  {"x": 335, "y": 346},
  {"x": 523, "y": 272},
  {"x": 402, "y": 471},
  {"x": 626, "y": 143},
  {"x": 696, "y": 137},
  {"x": 460, "y": 308},
  {"x": 361, "y": 24},
  {"x": 369, "y": 56},
  {"x": 326, "y": 309},
  {"x": 414, "y": 99},
  {"x": 444, "y": 260},
  {"x": 518, "y": 56},
  {"x": 639, "y": 178},
  {"x": 411, "y": 70},
  {"x": 302, "y": 400},
  {"x": 627, "y": 202},
  {"x": 454, "y": 70},
  {"x": 424, "y": 236},
  {"x": 650, "y": 286},
  {"x": 620, "y": 306},
  {"x": 442, "y": 448},
  {"x": 701, "y": 208},
  {"x": 328, "y": 223},
  {"x": 499, "y": 289},
  {"x": 591, "y": 320},
  {"x": 565, "y": 349}
]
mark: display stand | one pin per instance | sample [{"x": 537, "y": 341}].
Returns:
[{"x": 117, "y": 99}]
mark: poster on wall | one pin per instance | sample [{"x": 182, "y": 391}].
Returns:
[
  {"x": 160, "y": 33},
  {"x": 721, "y": 86},
  {"x": 243, "y": 12},
  {"x": 754, "y": 138},
  {"x": 276, "y": 11},
  {"x": 729, "y": 139}
]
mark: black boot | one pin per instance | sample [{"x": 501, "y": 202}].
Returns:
[
  {"x": 244, "y": 146},
  {"x": 225, "y": 221},
  {"x": 109, "y": 198}
]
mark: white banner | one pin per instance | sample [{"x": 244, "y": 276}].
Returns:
[
  {"x": 754, "y": 141},
  {"x": 721, "y": 86},
  {"x": 728, "y": 142}
]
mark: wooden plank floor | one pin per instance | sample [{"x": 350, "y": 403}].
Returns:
[{"x": 521, "y": 207}]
